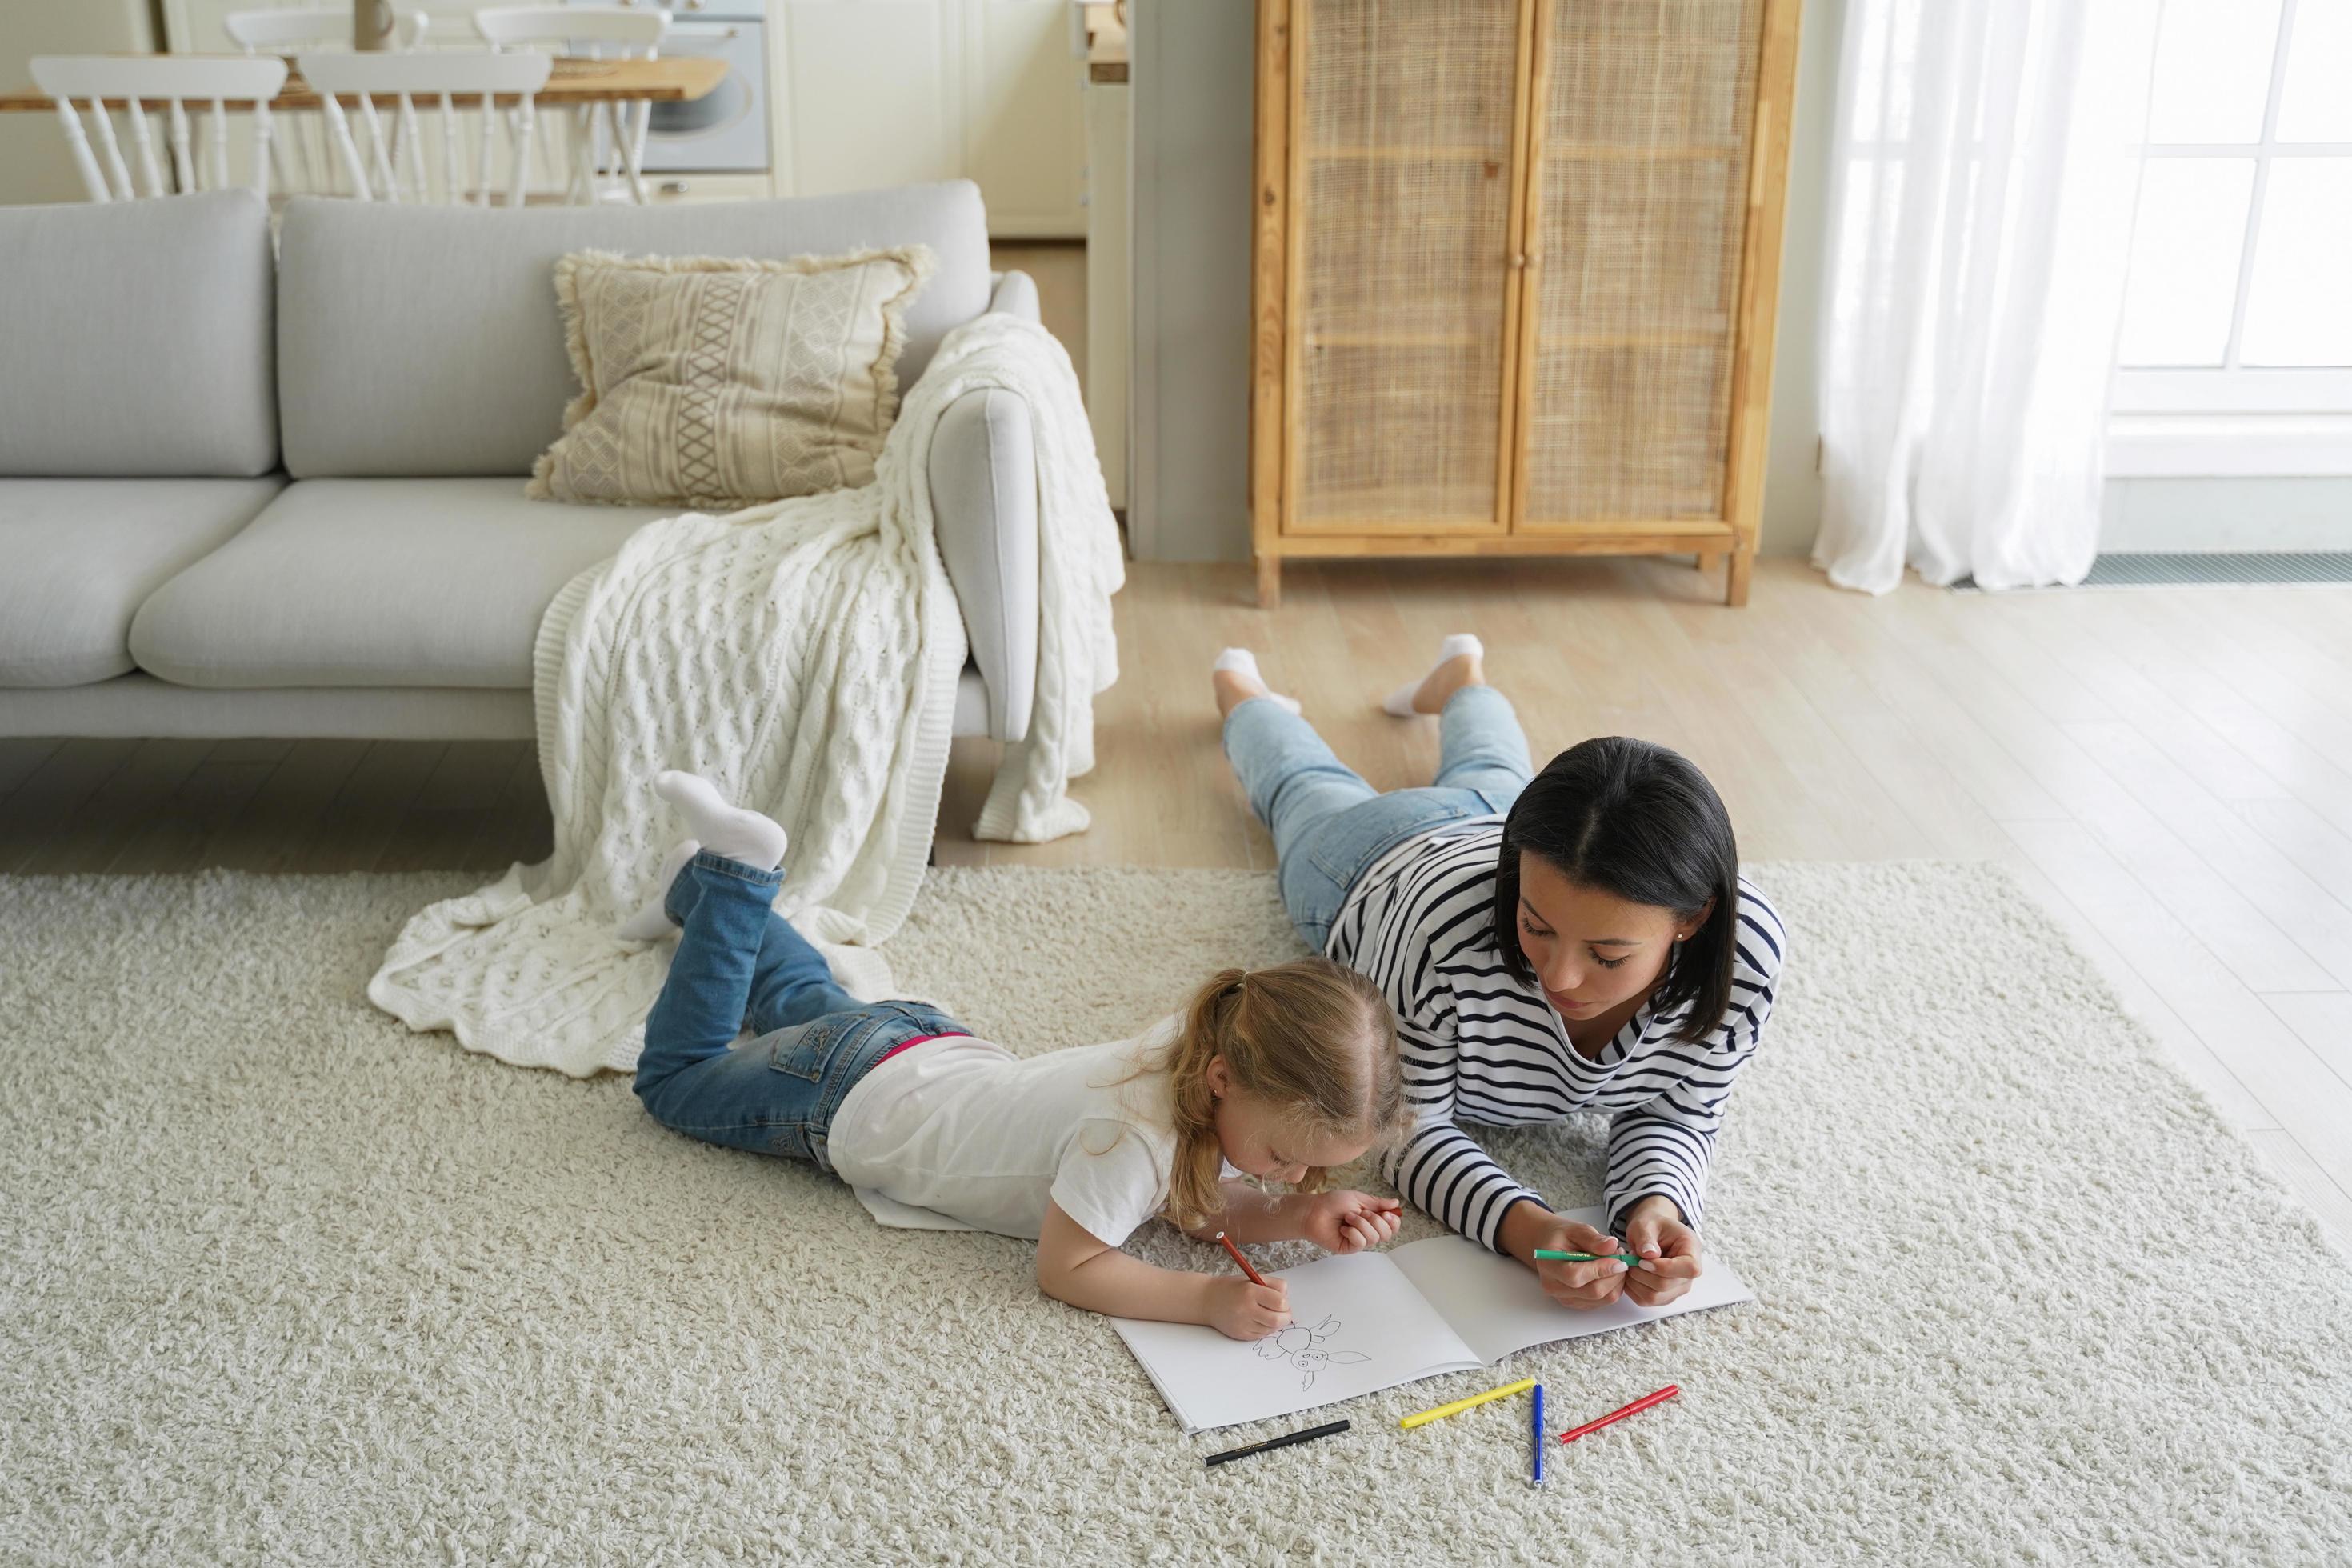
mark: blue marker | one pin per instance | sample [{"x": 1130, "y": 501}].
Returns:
[{"x": 1539, "y": 1429}]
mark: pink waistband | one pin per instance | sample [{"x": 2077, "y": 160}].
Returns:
[{"x": 919, "y": 1040}]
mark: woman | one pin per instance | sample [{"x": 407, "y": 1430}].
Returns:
[{"x": 1576, "y": 940}]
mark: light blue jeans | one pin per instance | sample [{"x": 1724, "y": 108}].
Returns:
[
  {"x": 741, "y": 965},
  {"x": 1329, "y": 826}
]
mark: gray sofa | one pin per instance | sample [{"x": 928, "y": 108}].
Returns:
[{"x": 246, "y": 495}]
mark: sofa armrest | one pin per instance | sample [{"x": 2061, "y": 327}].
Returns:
[
  {"x": 983, "y": 473},
  {"x": 1015, "y": 294}
]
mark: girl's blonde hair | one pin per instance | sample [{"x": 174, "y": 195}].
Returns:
[{"x": 1313, "y": 1037}]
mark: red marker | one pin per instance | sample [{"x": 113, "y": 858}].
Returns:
[
  {"x": 1227, "y": 1242},
  {"x": 1634, "y": 1409}
]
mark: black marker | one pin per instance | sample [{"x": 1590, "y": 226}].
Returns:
[{"x": 1283, "y": 1442}]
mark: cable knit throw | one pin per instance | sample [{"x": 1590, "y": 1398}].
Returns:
[{"x": 803, "y": 655}]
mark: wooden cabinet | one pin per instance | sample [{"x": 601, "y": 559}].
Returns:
[{"x": 1516, "y": 267}]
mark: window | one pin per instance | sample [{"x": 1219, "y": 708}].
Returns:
[{"x": 2235, "y": 355}]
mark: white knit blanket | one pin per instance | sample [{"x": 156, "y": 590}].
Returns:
[{"x": 803, "y": 655}]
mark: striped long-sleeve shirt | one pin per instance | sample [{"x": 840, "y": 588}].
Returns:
[{"x": 1481, "y": 1045}]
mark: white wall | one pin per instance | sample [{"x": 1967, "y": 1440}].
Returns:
[
  {"x": 1192, "y": 73},
  {"x": 1194, "y": 113},
  {"x": 1792, "y": 481},
  {"x": 33, "y": 163},
  {"x": 2227, "y": 514}
]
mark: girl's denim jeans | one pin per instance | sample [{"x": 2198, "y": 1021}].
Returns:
[
  {"x": 739, "y": 965},
  {"x": 1329, "y": 826}
]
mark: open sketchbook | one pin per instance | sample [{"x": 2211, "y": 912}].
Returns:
[{"x": 1374, "y": 1319}]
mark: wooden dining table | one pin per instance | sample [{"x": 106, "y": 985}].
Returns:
[{"x": 675, "y": 79}]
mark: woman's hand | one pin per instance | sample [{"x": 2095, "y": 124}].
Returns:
[
  {"x": 1240, "y": 1310},
  {"x": 1349, "y": 1222},
  {"x": 1582, "y": 1285},
  {"x": 1669, "y": 1251}
]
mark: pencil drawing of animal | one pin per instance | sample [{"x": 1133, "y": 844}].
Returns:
[{"x": 1302, "y": 1347}]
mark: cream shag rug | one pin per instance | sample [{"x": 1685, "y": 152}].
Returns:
[{"x": 280, "y": 1281}]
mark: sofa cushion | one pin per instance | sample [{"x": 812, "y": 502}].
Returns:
[
  {"x": 378, "y": 583},
  {"x": 425, "y": 339},
  {"x": 82, "y": 554},
  {"x": 135, "y": 338}
]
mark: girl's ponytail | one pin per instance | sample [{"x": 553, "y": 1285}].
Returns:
[{"x": 1194, "y": 1192}]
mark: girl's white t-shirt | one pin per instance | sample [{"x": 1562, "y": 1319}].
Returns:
[{"x": 964, "y": 1128}]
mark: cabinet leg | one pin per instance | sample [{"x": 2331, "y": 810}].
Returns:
[
  {"x": 1269, "y": 582},
  {"x": 1708, "y": 560},
  {"x": 1735, "y": 586}
]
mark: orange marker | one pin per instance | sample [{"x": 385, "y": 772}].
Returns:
[{"x": 1227, "y": 1242}]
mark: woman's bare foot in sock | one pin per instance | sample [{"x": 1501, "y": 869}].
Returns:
[
  {"x": 1441, "y": 684},
  {"x": 1233, "y": 688},
  {"x": 1236, "y": 680},
  {"x": 1461, "y": 661}
]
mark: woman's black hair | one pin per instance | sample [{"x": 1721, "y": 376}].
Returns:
[{"x": 1638, "y": 822}]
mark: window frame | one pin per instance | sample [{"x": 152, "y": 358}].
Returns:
[{"x": 2234, "y": 418}]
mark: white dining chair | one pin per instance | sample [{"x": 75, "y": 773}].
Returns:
[
  {"x": 591, "y": 32},
  {"x": 299, "y": 152},
  {"x": 172, "y": 82},
  {"x": 428, "y": 74},
  {"x": 301, "y": 29}
]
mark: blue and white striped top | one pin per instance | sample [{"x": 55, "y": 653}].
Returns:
[{"x": 1481, "y": 1045}]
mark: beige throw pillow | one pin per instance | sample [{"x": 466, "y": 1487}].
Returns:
[{"x": 717, "y": 383}]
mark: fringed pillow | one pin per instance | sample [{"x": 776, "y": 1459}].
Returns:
[{"x": 715, "y": 384}]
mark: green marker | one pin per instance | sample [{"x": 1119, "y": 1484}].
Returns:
[{"x": 1545, "y": 1254}]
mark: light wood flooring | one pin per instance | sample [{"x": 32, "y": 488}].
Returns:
[{"x": 2168, "y": 769}]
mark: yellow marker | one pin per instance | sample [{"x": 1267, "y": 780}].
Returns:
[{"x": 1461, "y": 1404}]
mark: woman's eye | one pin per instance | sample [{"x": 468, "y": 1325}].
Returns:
[{"x": 1610, "y": 962}]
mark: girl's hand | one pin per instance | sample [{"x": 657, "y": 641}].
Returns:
[
  {"x": 1349, "y": 1222},
  {"x": 1669, "y": 1251},
  {"x": 1240, "y": 1310}
]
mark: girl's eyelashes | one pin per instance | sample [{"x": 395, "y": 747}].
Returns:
[{"x": 1607, "y": 963}]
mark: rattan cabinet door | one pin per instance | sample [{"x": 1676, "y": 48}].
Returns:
[
  {"x": 1637, "y": 203},
  {"x": 1403, "y": 160}
]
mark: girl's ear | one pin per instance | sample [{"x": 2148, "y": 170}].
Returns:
[{"x": 1218, "y": 1076}]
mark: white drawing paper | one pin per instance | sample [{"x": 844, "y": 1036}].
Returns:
[
  {"x": 1210, "y": 1381},
  {"x": 1371, "y": 1320}
]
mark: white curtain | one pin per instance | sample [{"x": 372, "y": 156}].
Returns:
[{"x": 1984, "y": 172}]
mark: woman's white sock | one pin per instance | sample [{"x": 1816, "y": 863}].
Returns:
[
  {"x": 1400, "y": 701},
  {"x": 1242, "y": 662},
  {"x": 652, "y": 923},
  {"x": 757, "y": 841}
]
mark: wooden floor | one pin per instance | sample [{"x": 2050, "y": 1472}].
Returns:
[{"x": 2168, "y": 769}]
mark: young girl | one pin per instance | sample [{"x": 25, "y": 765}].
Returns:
[
  {"x": 1279, "y": 1073},
  {"x": 1577, "y": 938}
]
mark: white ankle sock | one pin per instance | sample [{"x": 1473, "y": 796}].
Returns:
[
  {"x": 1400, "y": 701},
  {"x": 652, "y": 923},
  {"x": 757, "y": 841},
  {"x": 1240, "y": 661}
]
